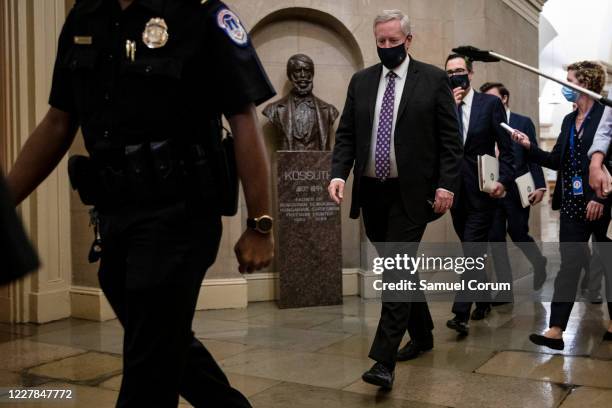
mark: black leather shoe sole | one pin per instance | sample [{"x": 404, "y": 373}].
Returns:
[
  {"x": 378, "y": 381},
  {"x": 555, "y": 344},
  {"x": 462, "y": 330}
]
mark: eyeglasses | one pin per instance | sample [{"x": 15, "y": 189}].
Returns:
[{"x": 456, "y": 71}]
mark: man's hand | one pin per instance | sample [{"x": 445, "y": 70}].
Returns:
[
  {"x": 594, "y": 210},
  {"x": 254, "y": 251},
  {"x": 536, "y": 197},
  {"x": 443, "y": 201},
  {"x": 336, "y": 190},
  {"x": 598, "y": 180},
  {"x": 521, "y": 138},
  {"x": 458, "y": 94},
  {"x": 498, "y": 190}
]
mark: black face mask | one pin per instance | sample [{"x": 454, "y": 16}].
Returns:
[
  {"x": 392, "y": 57},
  {"x": 460, "y": 81}
]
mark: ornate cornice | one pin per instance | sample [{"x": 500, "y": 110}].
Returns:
[{"x": 528, "y": 9}]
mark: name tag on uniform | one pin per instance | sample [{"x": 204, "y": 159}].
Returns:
[
  {"x": 577, "y": 189},
  {"x": 83, "y": 40}
]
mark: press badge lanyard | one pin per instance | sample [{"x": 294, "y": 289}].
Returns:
[{"x": 577, "y": 188}]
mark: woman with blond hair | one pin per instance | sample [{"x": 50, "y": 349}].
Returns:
[{"x": 583, "y": 214}]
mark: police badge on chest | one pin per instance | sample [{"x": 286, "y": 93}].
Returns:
[{"x": 155, "y": 34}]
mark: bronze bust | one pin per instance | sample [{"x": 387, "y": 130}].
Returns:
[{"x": 305, "y": 121}]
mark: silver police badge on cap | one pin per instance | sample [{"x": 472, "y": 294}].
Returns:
[{"x": 155, "y": 34}]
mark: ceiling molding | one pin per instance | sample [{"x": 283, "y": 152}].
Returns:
[{"x": 528, "y": 9}]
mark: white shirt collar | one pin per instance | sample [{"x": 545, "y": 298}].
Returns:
[
  {"x": 467, "y": 100},
  {"x": 401, "y": 70},
  {"x": 508, "y": 115}
]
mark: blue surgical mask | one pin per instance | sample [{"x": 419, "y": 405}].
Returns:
[{"x": 570, "y": 94}]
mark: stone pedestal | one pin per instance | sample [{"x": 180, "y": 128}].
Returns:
[{"x": 309, "y": 247}]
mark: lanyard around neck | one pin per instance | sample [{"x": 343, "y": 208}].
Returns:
[{"x": 572, "y": 142}]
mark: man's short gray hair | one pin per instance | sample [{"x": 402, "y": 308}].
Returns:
[{"x": 389, "y": 15}]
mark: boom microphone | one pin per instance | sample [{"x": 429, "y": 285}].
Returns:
[{"x": 476, "y": 54}]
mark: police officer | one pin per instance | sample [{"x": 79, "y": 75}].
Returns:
[{"x": 146, "y": 81}]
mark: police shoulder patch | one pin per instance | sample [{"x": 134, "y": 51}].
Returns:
[{"x": 229, "y": 22}]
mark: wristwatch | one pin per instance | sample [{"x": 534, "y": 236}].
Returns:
[{"x": 261, "y": 224}]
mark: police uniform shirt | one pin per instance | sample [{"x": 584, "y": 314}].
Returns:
[{"x": 207, "y": 67}]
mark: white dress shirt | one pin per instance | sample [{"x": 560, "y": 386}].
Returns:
[
  {"x": 601, "y": 141},
  {"x": 401, "y": 71},
  {"x": 467, "y": 110}
]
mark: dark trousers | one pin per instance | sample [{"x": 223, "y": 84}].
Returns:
[
  {"x": 510, "y": 216},
  {"x": 591, "y": 280},
  {"x": 472, "y": 226},
  {"x": 385, "y": 221},
  {"x": 575, "y": 256},
  {"x": 151, "y": 271}
]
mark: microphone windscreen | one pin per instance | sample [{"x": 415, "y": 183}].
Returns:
[{"x": 475, "y": 54}]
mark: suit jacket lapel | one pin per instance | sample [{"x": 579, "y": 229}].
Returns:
[
  {"x": 474, "y": 114},
  {"x": 512, "y": 121},
  {"x": 372, "y": 91},
  {"x": 409, "y": 84},
  {"x": 590, "y": 128}
]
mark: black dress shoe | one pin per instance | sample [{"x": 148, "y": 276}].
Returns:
[
  {"x": 413, "y": 349},
  {"x": 379, "y": 375},
  {"x": 480, "y": 313},
  {"x": 539, "y": 275},
  {"x": 555, "y": 344},
  {"x": 607, "y": 336},
  {"x": 461, "y": 326}
]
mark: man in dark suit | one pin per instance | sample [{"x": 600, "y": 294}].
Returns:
[
  {"x": 510, "y": 215},
  {"x": 479, "y": 116},
  {"x": 399, "y": 134}
]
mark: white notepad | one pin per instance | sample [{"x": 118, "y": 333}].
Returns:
[
  {"x": 488, "y": 172},
  {"x": 526, "y": 186},
  {"x": 608, "y": 187}
]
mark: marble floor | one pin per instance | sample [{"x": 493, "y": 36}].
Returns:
[{"x": 314, "y": 358}]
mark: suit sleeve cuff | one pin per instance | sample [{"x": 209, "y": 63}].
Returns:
[
  {"x": 443, "y": 189},
  {"x": 337, "y": 179}
]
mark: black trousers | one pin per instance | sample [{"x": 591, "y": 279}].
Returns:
[
  {"x": 385, "y": 221},
  {"x": 472, "y": 226},
  {"x": 575, "y": 256},
  {"x": 510, "y": 216},
  {"x": 151, "y": 271}
]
